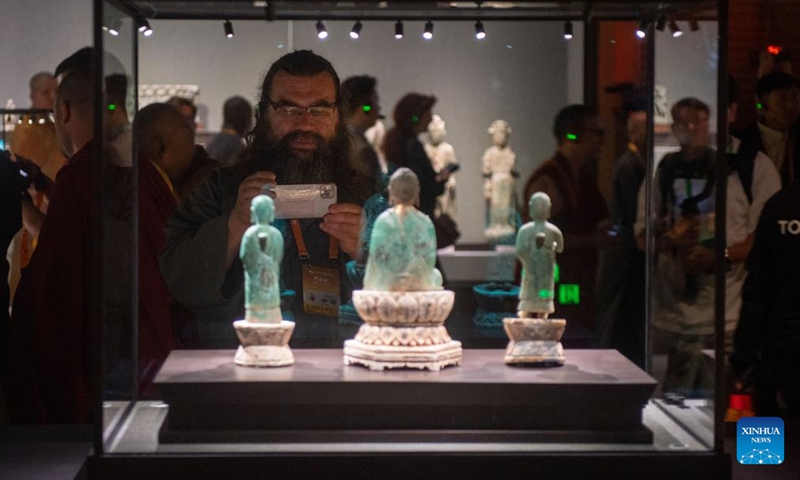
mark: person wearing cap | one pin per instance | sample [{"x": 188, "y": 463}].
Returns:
[
  {"x": 363, "y": 110},
  {"x": 412, "y": 114}
]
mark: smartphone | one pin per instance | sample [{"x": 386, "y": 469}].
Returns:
[{"x": 302, "y": 201}]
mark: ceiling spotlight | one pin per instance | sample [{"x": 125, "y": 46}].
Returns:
[
  {"x": 568, "y": 30},
  {"x": 115, "y": 27},
  {"x": 228, "y": 29},
  {"x": 641, "y": 32},
  {"x": 144, "y": 27},
  {"x": 322, "y": 32},
  {"x": 398, "y": 30},
  {"x": 675, "y": 29},
  {"x": 356, "y": 31},
  {"x": 269, "y": 11},
  {"x": 661, "y": 23},
  {"x": 428, "y": 33},
  {"x": 693, "y": 25},
  {"x": 480, "y": 33}
]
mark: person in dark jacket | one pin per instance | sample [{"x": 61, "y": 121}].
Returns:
[{"x": 766, "y": 352}]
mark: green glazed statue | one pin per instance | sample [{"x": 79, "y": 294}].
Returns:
[
  {"x": 402, "y": 250},
  {"x": 538, "y": 242},
  {"x": 261, "y": 253}
]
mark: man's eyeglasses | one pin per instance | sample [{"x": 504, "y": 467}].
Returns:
[{"x": 292, "y": 111}]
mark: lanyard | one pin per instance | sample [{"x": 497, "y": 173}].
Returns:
[{"x": 302, "y": 250}]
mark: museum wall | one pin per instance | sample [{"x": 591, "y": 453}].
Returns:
[
  {"x": 35, "y": 36},
  {"x": 517, "y": 73}
]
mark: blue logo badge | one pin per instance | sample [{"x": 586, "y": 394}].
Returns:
[{"x": 759, "y": 440}]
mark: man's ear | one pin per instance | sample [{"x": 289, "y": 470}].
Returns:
[
  {"x": 159, "y": 146},
  {"x": 65, "y": 110}
]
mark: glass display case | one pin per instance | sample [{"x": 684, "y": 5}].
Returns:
[{"x": 642, "y": 386}]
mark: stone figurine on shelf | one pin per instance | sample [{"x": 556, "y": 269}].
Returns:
[
  {"x": 264, "y": 333},
  {"x": 403, "y": 303},
  {"x": 499, "y": 174},
  {"x": 442, "y": 156},
  {"x": 535, "y": 339}
]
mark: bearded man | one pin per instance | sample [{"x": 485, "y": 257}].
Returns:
[{"x": 299, "y": 138}]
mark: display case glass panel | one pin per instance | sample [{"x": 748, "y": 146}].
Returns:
[{"x": 523, "y": 72}]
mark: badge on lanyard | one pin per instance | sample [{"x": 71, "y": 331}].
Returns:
[{"x": 321, "y": 289}]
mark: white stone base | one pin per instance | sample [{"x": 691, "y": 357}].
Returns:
[
  {"x": 264, "y": 344},
  {"x": 264, "y": 356},
  {"x": 535, "y": 351},
  {"x": 534, "y": 340},
  {"x": 380, "y": 357}
]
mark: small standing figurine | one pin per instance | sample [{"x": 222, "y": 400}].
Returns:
[
  {"x": 442, "y": 156},
  {"x": 261, "y": 253},
  {"x": 499, "y": 173},
  {"x": 402, "y": 303},
  {"x": 537, "y": 244},
  {"x": 263, "y": 333},
  {"x": 535, "y": 339}
]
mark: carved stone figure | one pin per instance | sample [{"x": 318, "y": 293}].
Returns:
[
  {"x": 499, "y": 174},
  {"x": 263, "y": 334},
  {"x": 402, "y": 250},
  {"x": 442, "y": 155},
  {"x": 261, "y": 252},
  {"x": 403, "y": 304},
  {"x": 538, "y": 242},
  {"x": 537, "y": 340}
]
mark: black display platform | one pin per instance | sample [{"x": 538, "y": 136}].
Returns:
[{"x": 597, "y": 396}]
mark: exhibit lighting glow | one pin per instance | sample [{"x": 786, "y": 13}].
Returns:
[
  {"x": 675, "y": 29},
  {"x": 568, "y": 30},
  {"x": 428, "y": 33},
  {"x": 661, "y": 24},
  {"x": 144, "y": 27},
  {"x": 356, "y": 31},
  {"x": 480, "y": 33},
  {"x": 641, "y": 32},
  {"x": 42, "y": 121},
  {"x": 32, "y": 119},
  {"x": 115, "y": 27},
  {"x": 398, "y": 30},
  {"x": 322, "y": 32},
  {"x": 228, "y": 29}
]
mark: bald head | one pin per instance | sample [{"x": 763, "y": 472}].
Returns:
[
  {"x": 161, "y": 133},
  {"x": 73, "y": 110},
  {"x": 43, "y": 90}
]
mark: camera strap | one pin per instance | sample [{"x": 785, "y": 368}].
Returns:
[
  {"x": 302, "y": 250},
  {"x": 321, "y": 289}
]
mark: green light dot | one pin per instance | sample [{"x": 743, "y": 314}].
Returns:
[
  {"x": 112, "y": 107},
  {"x": 367, "y": 108},
  {"x": 759, "y": 106},
  {"x": 415, "y": 119},
  {"x": 572, "y": 136},
  {"x": 546, "y": 294}
]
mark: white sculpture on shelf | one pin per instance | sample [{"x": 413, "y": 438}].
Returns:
[
  {"x": 403, "y": 303},
  {"x": 442, "y": 156},
  {"x": 499, "y": 174}
]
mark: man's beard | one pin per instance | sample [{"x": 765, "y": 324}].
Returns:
[{"x": 302, "y": 167}]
